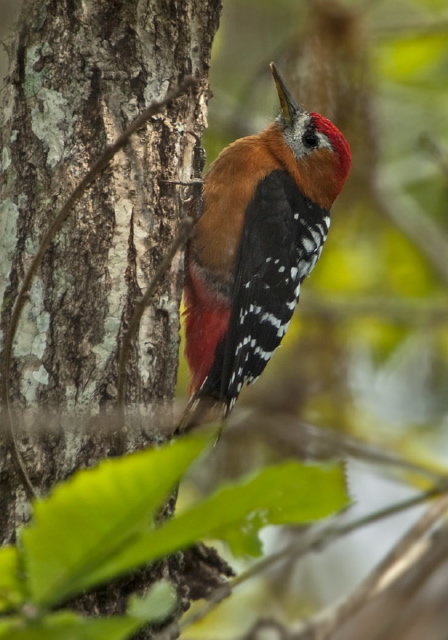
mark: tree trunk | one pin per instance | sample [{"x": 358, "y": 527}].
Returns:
[{"x": 80, "y": 73}]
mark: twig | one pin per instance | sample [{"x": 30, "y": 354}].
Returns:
[
  {"x": 437, "y": 153},
  {"x": 325, "y": 536},
  {"x": 183, "y": 234},
  {"x": 318, "y": 540},
  {"x": 412, "y": 583},
  {"x": 410, "y": 29},
  {"x": 410, "y": 311},
  {"x": 404, "y": 555},
  {"x": 360, "y": 450},
  {"x": 298, "y": 436},
  {"x": 404, "y": 212},
  {"x": 97, "y": 168}
]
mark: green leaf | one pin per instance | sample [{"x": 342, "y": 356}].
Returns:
[
  {"x": 283, "y": 494},
  {"x": 65, "y": 625},
  {"x": 289, "y": 493},
  {"x": 11, "y": 589},
  {"x": 156, "y": 605},
  {"x": 96, "y": 514}
]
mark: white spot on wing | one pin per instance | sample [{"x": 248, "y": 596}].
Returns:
[
  {"x": 316, "y": 235},
  {"x": 255, "y": 309},
  {"x": 313, "y": 262},
  {"x": 269, "y": 317},
  {"x": 308, "y": 245},
  {"x": 242, "y": 344},
  {"x": 264, "y": 355},
  {"x": 304, "y": 268},
  {"x": 283, "y": 329},
  {"x": 322, "y": 230}
]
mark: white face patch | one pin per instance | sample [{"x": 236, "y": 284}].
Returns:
[{"x": 294, "y": 136}]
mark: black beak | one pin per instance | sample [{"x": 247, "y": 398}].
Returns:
[{"x": 289, "y": 106}]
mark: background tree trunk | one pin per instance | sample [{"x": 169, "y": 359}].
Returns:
[{"x": 80, "y": 72}]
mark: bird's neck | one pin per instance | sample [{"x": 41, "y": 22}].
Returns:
[{"x": 316, "y": 175}]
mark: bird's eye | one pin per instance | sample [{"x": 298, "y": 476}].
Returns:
[{"x": 310, "y": 140}]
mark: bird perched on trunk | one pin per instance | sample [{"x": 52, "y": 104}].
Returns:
[{"x": 265, "y": 217}]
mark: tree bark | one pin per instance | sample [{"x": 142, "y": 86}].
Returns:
[{"x": 80, "y": 72}]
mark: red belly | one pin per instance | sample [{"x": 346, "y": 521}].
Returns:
[{"x": 207, "y": 319}]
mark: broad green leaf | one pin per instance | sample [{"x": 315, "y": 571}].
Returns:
[
  {"x": 156, "y": 605},
  {"x": 96, "y": 514},
  {"x": 11, "y": 589},
  {"x": 289, "y": 493},
  {"x": 65, "y": 625}
]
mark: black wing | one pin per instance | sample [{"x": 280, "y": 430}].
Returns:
[{"x": 281, "y": 241}]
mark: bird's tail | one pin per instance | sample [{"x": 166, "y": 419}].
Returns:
[{"x": 200, "y": 410}]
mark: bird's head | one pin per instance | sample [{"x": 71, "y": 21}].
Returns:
[{"x": 315, "y": 141}]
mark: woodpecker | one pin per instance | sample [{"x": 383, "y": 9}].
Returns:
[{"x": 265, "y": 215}]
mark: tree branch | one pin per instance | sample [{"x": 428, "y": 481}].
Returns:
[
  {"x": 412, "y": 583},
  {"x": 300, "y": 438},
  {"x": 404, "y": 555},
  {"x": 419, "y": 552},
  {"x": 411, "y": 311}
]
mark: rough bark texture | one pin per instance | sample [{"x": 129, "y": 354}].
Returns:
[{"x": 80, "y": 72}]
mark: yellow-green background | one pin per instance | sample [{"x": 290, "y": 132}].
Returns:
[
  {"x": 367, "y": 351},
  {"x": 373, "y": 313}
]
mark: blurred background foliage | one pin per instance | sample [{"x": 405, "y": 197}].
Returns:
[
  {"x": 368, "y": 345},
  {"x": 367, "y": 352}
]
